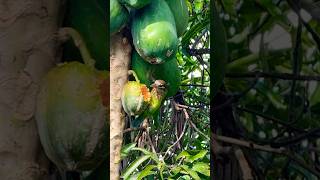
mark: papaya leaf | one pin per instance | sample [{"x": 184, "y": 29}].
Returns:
[
  {"x": 146, "y": 152},
  {"x": 202, "y": 168},
  {"x": 192, "y": 173},
  {"x": 184, "y": 177},
  {"x": 183, "y": 154},
  {"x": 133, "y": 166},
  {"x": 126, "y": 149},
  {"x": 199, "y": 155},
  {"x": 176, "y": 170},
  {"x": 194, "y": 30},
  {"x": 146, "y": 171},
  {"x": 230, "y": 6}
]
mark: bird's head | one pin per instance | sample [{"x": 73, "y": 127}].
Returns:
[
  {"x": 159, "y": 84},
  {"x": 160, "y": 87}
]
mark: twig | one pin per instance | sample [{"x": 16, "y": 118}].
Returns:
[
  {"x": 184, "y": 128},
  {"x": 285, "y": 124},
  {"x": 313, "y": 33},
  {"x": 235, "y": 97},
  {"x": 195, "y": 128},
  {"x": 150, "y": 142},
  {"x": 195, "y": 85},
  {"x": 249, "y": 145},
  {"x": 194, "y": 52},
  {"x": 134, "y": 129},
  {"x": 295, "y": 71},
  {"x": 283, "y": 76},
  {"x": 280, "y": 151},
  {"x": 196, "y": 42},
  {"x": 297, "y": 138},
  {"x": 244, "y": 165}
]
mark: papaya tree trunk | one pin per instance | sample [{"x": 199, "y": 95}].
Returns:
[
  {"x": 120, "y": 53},
  {"x": 28, "y": 49}
]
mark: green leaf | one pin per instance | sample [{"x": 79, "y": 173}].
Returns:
[
  {"x": 176, "y": 170},
  {"x": 146, "y": 152},
  {"x": 198, "y": 5},
  {"x": 192, "y": 32},
  {"x": 275, "y": 98},
  {"x": 183, "y": 154},
  {"x": 315, "y": 98},
  {"x": 146, "y": 171},
  {"x": 185, "y": 177},
  {"x": 200, "y": 155},
  {"x": 230, "y": 6},
  {"x": 133, "y": 166},
  {"x": 126, "y": 149},
  {"x": 191, "y": 172},
  {"x": 202, "y": 168}
]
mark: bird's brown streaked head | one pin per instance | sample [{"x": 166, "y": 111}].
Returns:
[{"x": 159, "y": 84}]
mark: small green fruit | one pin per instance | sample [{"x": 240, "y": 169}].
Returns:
[{"x": 135, "y": 98}]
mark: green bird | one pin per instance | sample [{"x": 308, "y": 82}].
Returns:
[{"x": 158, "y": 93}]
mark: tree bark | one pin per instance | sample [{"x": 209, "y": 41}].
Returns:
[
  {"x": 120, "y": 54},
  {"x": 28, "y": 50}
]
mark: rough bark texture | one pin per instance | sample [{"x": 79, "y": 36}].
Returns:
[
  {"x": 120, "y": 53},
  {"x": 28, "y": 49}
]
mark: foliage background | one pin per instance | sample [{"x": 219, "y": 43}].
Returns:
[
  {"x": 176, "y": 146},
  {"x": 269, "y": 103}
]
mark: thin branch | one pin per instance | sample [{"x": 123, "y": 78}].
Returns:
[
  {"x": 194, "y": 85},
  {"x": 266, "y": 148},
  {"x": 313, "y": 33},
  {"x": 249, "y": 145},
  {"x": 194, "y": 52},
  {"x": 150, "y": 142},
  {"x": 283, "y": 76},
  {"x": 195, "y": 128},
  {"x": 297, "y": 138},
  {"x": 235, "y": 97},
  {"x": 134, "y": 129},
  {"x": 276, "y": 120},
  {"x": 181, "y": 135},
  {"x": 295, "y": 71},
  {"x": 244, "y": 165},
  {"x": 196, "y": 42}
]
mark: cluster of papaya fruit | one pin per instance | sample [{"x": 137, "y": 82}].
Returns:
[
  {"x": 155, "y": 27},
  {"x": 72, "y": 104}
]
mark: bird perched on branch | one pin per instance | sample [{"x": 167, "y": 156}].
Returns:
[
  {"x": 158, "y": 94},
  {"x": 138, "y": 100}
]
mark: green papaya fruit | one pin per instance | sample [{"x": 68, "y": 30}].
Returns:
[
  {"x": 89, "y": 18},
  {"x": 72, "y": 111},
  {"x": 119, "y": 16},
  {"x": 148, "y": 73},
  {"x": 72, "y": 118},
  {"x": 154, "y": 32},
  {"x": 180, "y": 12},
  {"x": 135, "y": 4}
]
